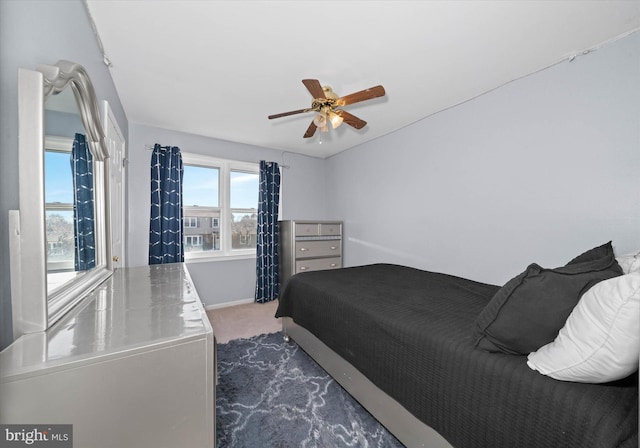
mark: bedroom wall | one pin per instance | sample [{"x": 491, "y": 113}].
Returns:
[
  {"x": 221, "y": 281},
  {"x": 33, "y": 33},
  {"x": 538, "y": 170}
]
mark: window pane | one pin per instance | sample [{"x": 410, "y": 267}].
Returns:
[
  {"x": 58, "y": 179},
  {"x": 199, "y": 233},
  {"x": 60, "y": 240},
  {"x": 200, "y": 186},
  {"x": 244, "y": 190},
  {"x": 200, "y": 197},
  {"x": 59, "y": 211},
  {"x": 243, "y": 230}
]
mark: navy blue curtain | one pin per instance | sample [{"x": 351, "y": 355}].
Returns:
[
  {"x": 165, "y": 227},
  {"x": 84, "y": 229},
  {"x": 267, "y": 264}
]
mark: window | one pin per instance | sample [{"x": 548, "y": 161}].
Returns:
[
  {"x": 193, "y": 240},
  {"x": 222, "y": 196},
  {"x": 59, "y": 210},
  {"x": 190, "y": 222}
]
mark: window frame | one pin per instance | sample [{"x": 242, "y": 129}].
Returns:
[{"x": 224, "y": 166}]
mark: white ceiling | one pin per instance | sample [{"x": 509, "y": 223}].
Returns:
[{"x": 219, "y": 68}]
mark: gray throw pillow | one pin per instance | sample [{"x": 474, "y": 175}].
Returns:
[{"x": 530, "y": 309}]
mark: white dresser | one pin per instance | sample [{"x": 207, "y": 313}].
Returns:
[
  {"x": 131, "y": 366},
  {"x": 309, "y": 246}
]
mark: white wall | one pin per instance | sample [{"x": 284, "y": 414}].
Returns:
[
  {"x": 538, "y": 170},
  {"x": 302, "y": 190}
]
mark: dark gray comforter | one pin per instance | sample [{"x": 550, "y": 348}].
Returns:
[{"x": 410, "y": 332}]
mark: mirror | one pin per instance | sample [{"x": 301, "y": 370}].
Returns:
[
  {"x": 63, "y": 244},
  {"x": 68, "y": 192}
]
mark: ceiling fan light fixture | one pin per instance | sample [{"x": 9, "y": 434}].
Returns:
[
  {"x": 320, "y": 120},
  {"x": 335, "y": 119},
  {"x": 325, "y": 103}
]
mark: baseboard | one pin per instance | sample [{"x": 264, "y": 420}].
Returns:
[{"x": 227, "y": 304}]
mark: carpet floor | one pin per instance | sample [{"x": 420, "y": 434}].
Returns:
[{"x": 272, "y": 394}]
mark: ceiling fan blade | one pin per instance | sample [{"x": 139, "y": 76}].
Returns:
[
  {"x": 351, "y": 119},
  {"x": 286, "y": 114},
  {"x": 310, "y": 130},
  {"x": 314, "y": 88},
  {"x": 363, "y": 95}
]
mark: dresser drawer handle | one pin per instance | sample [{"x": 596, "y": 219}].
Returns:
[
  {"x": 333, "y": 265},
  {"x": 303, "y": 268},
  {"x": 333, "y": 247},
  {"x": 303, "y": 249}
]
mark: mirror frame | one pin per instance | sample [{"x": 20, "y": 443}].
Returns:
[{"x": 34, "y": 309}]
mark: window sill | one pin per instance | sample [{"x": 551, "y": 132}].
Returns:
[{"x": 207, "y": 259}]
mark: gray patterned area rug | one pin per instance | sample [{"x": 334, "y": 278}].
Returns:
[{"x": 272, "y": 394}]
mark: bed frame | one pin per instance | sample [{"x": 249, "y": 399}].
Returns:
[{"x": 400, "y": 422}]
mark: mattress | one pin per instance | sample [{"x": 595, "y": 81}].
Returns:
[{"x": 411, "y": 333}]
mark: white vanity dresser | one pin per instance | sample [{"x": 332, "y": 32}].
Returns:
[
  {"x": 132, "y": 365},
  {"x": 126, "y": 356}
]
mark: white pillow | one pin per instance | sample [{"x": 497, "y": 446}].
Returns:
[
  {"x": 600, "y": 340},
  {"x": 629, "y": 263}
]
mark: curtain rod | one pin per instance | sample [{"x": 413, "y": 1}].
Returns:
[
  {"x": 150, "y": 148},
  {"x": 280, "y": 165}
]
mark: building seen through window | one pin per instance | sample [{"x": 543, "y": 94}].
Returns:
[{"x": 200, "y": 234}]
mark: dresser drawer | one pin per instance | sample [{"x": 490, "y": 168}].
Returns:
[
  {"x": 318, "y": 248},
  {"x": 318, "y": 264},
  {"x": 318, "y": 229},
  {"x": 303, "y": 229},
  {"x": 330, "y": 229}
]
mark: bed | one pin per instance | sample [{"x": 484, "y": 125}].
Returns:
[{"x": 401, "y": 341}]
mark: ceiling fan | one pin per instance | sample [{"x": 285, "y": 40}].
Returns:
[{"x": 326, "y": 103}]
